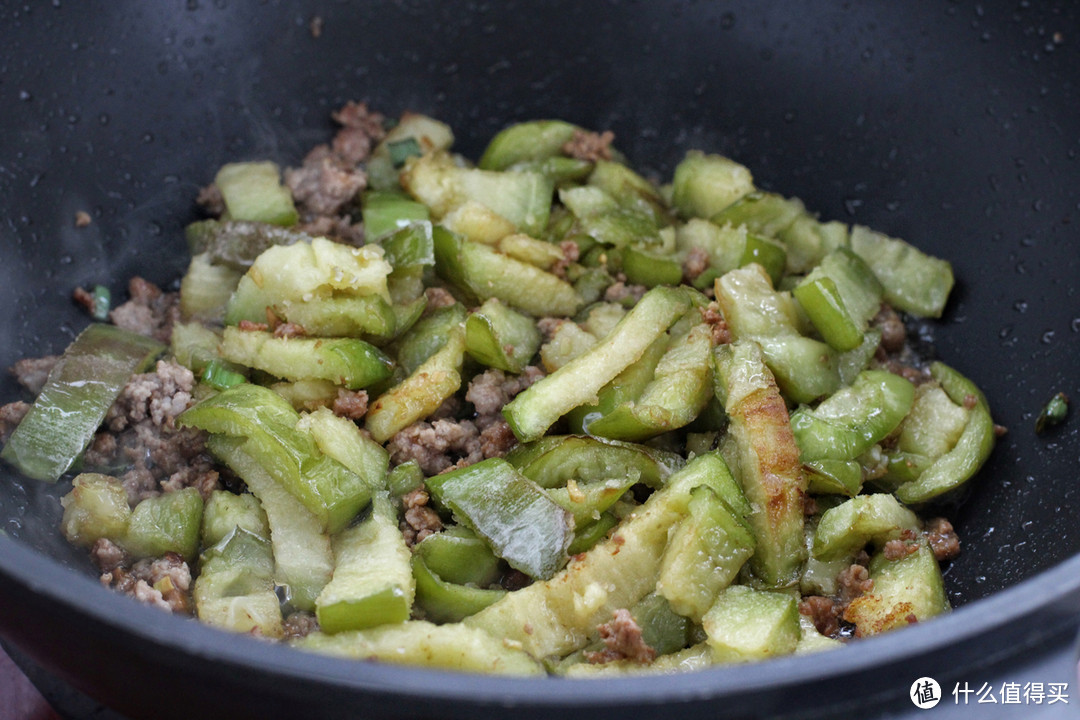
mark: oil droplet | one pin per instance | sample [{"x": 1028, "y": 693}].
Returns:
[
  {"x": 1047, "y": 337},
  {"x": 103, "y": 119},
  {"x": 1075, "y": 325},
  {"x": 25, "y": 96},
  {"x": 1020, "y": 306},
  {"x": 1005, "y": 332}
]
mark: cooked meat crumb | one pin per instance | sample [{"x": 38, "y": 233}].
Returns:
[
  {"x": 419, "y": 520},
  {"x": 164, "y": 582},
  {"x": 325, "y": 183},
  {"x": 299, "y": 625},
  {"x": 853, "y": 582},
  {"x": 107, "y": 555},
  {"x": 437, "y": 445},
  {"x": 289, "y": 330},
  {"x": 589, "y": 146},
  {"x": 211, "y": 200},
  {"x": 82, "y": 219},
  {"x": 893, "y": 332},
  {"x": 622, "y": 641},
  {"x": 696, "y": 262},
  {"x": 351, "y": 404},
  {"x": 942, "y": 538},
  {"x": 315, "y": 26},
  {"x": 721, "y": 334},
  {"x": 32, "y": 373},
  {"x": 150, "y": 311},
  {"x": 824, "y": 612},
  {"x": 10, "y": 417},
  {"x": 570, "y": 254},
  {"x": 361, "y": 128},
  {"x": 619, "y": 291},
  {"x": 438, "y": 297},
  {"x": 492, "y": 389}
]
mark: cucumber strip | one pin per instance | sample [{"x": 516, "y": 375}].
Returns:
[
  {"x": 533, "y": 411},
  {"x": 761, "y": 451},
  {"x": 303, "y": 557},
  {"x": 351, "y": 363},
  {"x": 372, "y": 582},
  {"x": 422, "y": 392}
]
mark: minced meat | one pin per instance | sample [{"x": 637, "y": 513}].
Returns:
[
  {"x": 325, "y": 183},
  {"x": 141, "y": 435},
  {"x": 150, "y": 311},
  {"x": 10, "y": 417},
  {"x": 942, "y": 538},
  {"x": 351, "y": 404},
  {"x": 164, "y": 582},
  {"x": 622, "y": 641},
  {"x": 361, "y": 128},
  {"x": 419, "y": 520},
  {"x": 32, "y": 373},
  {"x": 591, "y": 146}
]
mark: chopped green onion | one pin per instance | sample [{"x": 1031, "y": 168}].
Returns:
[
  {"x": 102, "y": 303},
  {"x": 1054, "y": 413}
]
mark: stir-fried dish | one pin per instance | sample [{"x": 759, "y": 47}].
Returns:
[{"x": 537, "y": 414}]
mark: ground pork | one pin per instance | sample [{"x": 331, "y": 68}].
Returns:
[
  {"x": 942, "y": 538},
  {"x": 159, "y": 396},
  {"x": 854, "y": 581},
  {"x": 591, "y": 146},
  {"x": 32, "y": 373},
  {"x": 419, "y": 521},
  {"x": 440, "y": 443},
  {"x": 899, "y": 548},
  {"x": 164, "y": 582},
  {"x": 548, "y": 326},
  {"x": 721, "y": 334},
  {"x": 437, "y": 297},
  {"x": 436, "y": 446},
  {"x": 324, "y": 184},
  {"x": 619, "y": 291},
  {"x": 211, "y": 200},
  {"x": 10, "y": 417},
  {"x": 893, "y": 332},
  {"x": 107, "y": 555},
  {"x": 696, "y": 262},
  {"x": 361, "y": 128},
  {"x": 622, "y": 641},
  {"x": 351, "y": 404},
  {"x": 497, "y": 438},
  {"x": 492, "y": 389},
  {"x": 150, "y": 311},
  {"x": 827, "y": 612},
  {"x": 824, "y": 612},
  {"x": 570, "y": 254},
  {"x": 141, "y": 436},
  {"x": 299, "y": 624}
]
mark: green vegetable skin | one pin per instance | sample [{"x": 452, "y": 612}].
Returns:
[{"x": 74, "y": 400}]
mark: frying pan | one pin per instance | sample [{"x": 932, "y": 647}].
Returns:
[{"x": 955, "y": 125}]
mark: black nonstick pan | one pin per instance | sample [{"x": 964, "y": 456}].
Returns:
[{"x": 954, "y": 125}]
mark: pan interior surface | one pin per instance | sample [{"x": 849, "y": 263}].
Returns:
[{"x": 953, "y": 126}]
